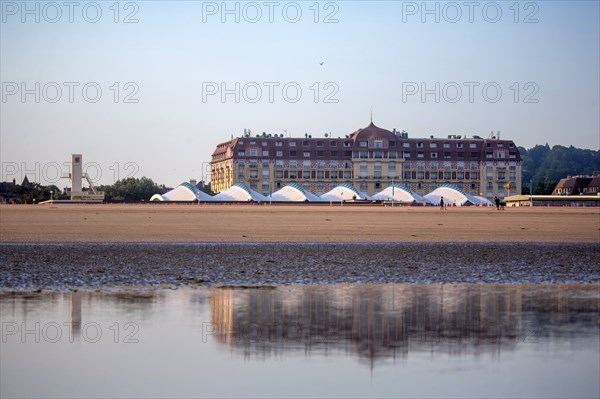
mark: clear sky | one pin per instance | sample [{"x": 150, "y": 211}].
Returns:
[{"x": 527, "y": 69}]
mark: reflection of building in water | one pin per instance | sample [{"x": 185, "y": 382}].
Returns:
[{"x": 388, "y": 320}]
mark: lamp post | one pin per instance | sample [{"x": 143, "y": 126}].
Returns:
[
  {"x": 531, "y": 192},
  {"x": 393, "y": 192},
  {"x": 51, "y": 195}
]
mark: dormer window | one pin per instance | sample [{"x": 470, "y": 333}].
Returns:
[{"x": 363, "y": 143}]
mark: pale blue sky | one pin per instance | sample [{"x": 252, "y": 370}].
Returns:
[{"x": 370, "y": 55}]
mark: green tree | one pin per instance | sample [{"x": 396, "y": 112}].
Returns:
[{"x": 131, "y": 189}]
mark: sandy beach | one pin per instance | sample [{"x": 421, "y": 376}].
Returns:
[
  {"x": 168, "y": 246},
  {"x": 293, "y": 223}
]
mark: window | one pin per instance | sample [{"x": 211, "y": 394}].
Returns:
[
  {"x": 489, "y": 155},
  {"x": 253, "y": 174},
  {"x": 265, "y": 153},
  {"x": 460, "y": 154},
  {"x": 279, "y": 144},
  {"x": 347, "y": 144},
  {"x": 320, "y": 165},
  {"x": 333, "y": 143},
  {"x": 500, "y": 144},
  {"x": 265, "y": 173},
  {"x": 241, "y": 154},
  {"x": 241, "y": 174},
  {"x": 406, "y": 154},
  {"x": 472, "y": 145},
  {"x": 501, "y": 154},
  {"x": 319, "y": 143},
  {"x": 432, "y": 145},
  {"x": 459, "y": 145},
  {"x": 363, "y": 143},
  {"x": 406, "y": 145},
  {"x": 511, "y": 145},
  {"x": 278, "y": 153},
  {"x": 377, "y": 165},
  {"x": 293, "y": 153},
  {"x": 392, "y": 154},
  {"x": 306, "y": 164},
  {"x": 363, "y": 154},
  {"x": 278, "y": 164},
  {"x": 264, "y": 143},
  {"x": 306, "y": 154},
  {"x": 363, "y": 166},
  {"x": 253, "y": 163},
  {"x": 253, "y": 152},
  {"x": 253, "y": 184},
  {"x": 333, "y": 165},
  {"x": 378, "y": 143},
  {"x": 392, "y": 143},
  {"x": 363, "y": 186},
  {"x": 292, "y": 144},
  {"x": 306, "y": 143},
  {"x": 265, "y": 164},
  {"x": 320, "y": 153},
  {"x": 392, "y": 165},
  {"x": 420, "y": 154},
  {"x": 378, "y": 154},
  {"x": 377, "y": 185},
  {"x": 433, "y": 165},
  {"x": 512, "y": 155},
  {"x": 419, "y": 145},
  {"x": 253, "y": 142},
  {"x": 241, "y": 142},
  {"x": 434, "y": 155},
  {"x": 446, "y": 145},
  {"x": 293, "y": 164}
]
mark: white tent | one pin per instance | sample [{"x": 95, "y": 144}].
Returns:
[
  {"x": 239, "y": 192},
  {"x": 400, "y": 193},
  {"x": 452, "y": 195},
  {"x": 185, "y": 192},
  {"x": 293, "y": 192},
  {"x": 344, "y": 192},
  {"x": 484, "y": 201}
]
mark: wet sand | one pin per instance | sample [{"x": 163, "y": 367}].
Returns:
[
  {"x": 103, "y": 247},
  {"x": 293, "y": 223}
]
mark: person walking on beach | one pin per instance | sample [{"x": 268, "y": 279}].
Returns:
[
  {"x": 497, "y": 202},
  {"x": 442, "y": 203}
]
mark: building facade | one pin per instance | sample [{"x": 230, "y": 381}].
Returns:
[{"x": 370, "y": 159}]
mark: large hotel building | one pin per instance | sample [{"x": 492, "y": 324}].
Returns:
[{"x": 370, "y": 158}]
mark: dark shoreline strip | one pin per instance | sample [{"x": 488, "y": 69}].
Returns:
[{"x": 68, "y": 266}]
